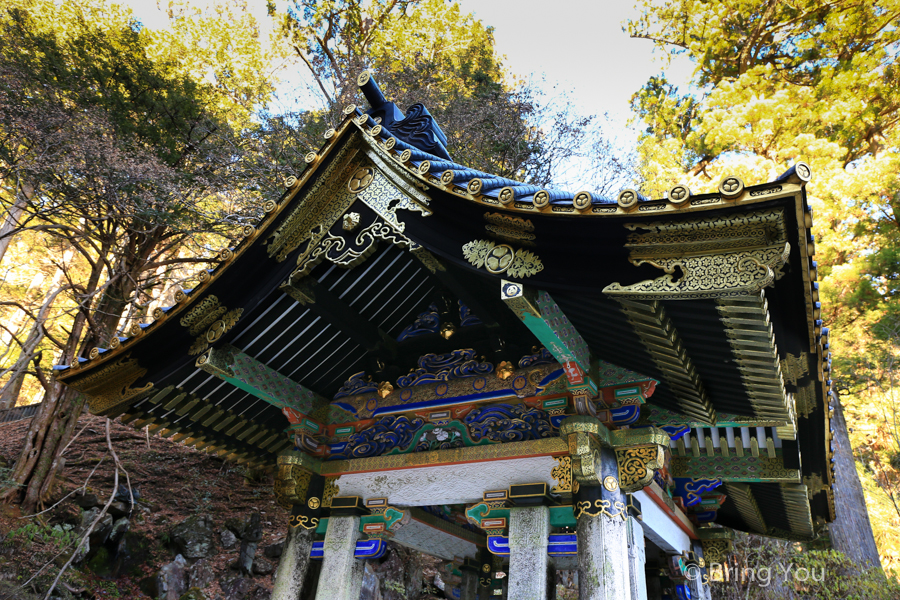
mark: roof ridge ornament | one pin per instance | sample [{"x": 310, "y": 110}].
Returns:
[{"x": 416, "y": 128}]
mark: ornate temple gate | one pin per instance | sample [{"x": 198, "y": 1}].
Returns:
[{"x": 449, "y": 360}]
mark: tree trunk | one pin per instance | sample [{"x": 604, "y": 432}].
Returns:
[
  {"x": 851, "y": 532},
  {"x": 7, "y": 230},
  {"x": 50, "y": 429},
  {"x": 9, "y": 393}
]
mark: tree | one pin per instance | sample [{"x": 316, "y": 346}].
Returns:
[
  {"x": 428, "y": 51},
  {"x": 132, "y": 161},
  {"x": 777, "y": 82}
]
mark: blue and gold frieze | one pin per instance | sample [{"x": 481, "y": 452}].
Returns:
[
  {"x": 538, "y": 381},
  {"x": 482, "y": 425}
]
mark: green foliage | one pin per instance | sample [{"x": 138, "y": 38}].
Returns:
[
  {"x": 779, "y": 82},
  {"x": 36, "y": 531}
]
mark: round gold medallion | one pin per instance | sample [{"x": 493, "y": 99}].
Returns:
[
  {"x": 610, "y": 483},
  {"x": 215, "y": 331},
  {"x": 313, "y": 503},
  {"x": 361, "y": 179},
  {"x": 499, "y": 258},
  {"x": 486, "y": 568}
]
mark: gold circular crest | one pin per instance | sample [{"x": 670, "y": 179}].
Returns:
[
  {"x": 627, "y": 198},
  {"x": 499, "y": 258},
  {"x": 582, "y": 200},
  {"x": 610, "y": 483},
  {"x": 361, "y": 179},
  {"x": 679, "y": 194},
  {"x": 486, "y": 568},
  {"x": 313, "y": 503},
  {"x": 215, "y": 331},
  {"x": 731, "y": 187},
  {"x": 541, "y": 199}
]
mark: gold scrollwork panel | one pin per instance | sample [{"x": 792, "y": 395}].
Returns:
[
  {"x": 716, "y": 551},
  {"x": 566, "y": 484},
  {"x": 291, "y": 483},
  {"x": 637, "y": 465}
]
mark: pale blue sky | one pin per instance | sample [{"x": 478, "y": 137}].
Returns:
[{"x": 577, "y": 44}]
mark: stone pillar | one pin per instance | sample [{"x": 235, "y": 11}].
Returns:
[
  {"x": 468, "y": 587},
  {"x": 603, "y": 569},
  {"x": 341, "y": 576},
  {"x": 529, "y": 528},
  {"x": 636, "y": 559},
  {"x": 293, "y": 564}
]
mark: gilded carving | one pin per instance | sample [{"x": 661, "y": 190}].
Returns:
[
  {"x": 291, "y": 483},
  {"x": 708, "y": 257},
  {"x": 610, "y": 483},
  {"x": 597, "y": 508},
  {"x": 202, "y": 315},
  {"x": 805, "y": 399},
  {"x": 566, "y": 484},
  {"x": 539, "y": 447},
  {"x": 637, "y": 465},
  {"x": 509, "y": 228},
  {"x": 303, "y": 521},
  {"x": 351, "y": 221},
  {"x": 427, "y": 259},
  {"x": 716, "y": 551},
  {"x": 319, "y": 208},
  {"x": 331, "y": 490},
  {"x": 733, "y": 468},
  {"x": 502, "y": 258},
  {"x": 110, "y": 385},
  {"x": 795, "y": 367},
  {"x": 215, "y": 331},
  {"x": 336, "y": 249}
]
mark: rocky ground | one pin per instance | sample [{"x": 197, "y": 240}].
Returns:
[{"x": 199, "y": 528}]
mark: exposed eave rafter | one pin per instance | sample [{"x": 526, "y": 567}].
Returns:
[
  {"x": 742, "y": 496},
  {"x": 662, "y": 341},
  {"x": 329, "y": 306},
  {"x": 749, "y": 332}
]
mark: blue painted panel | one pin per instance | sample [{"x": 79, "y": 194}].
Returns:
[{"x": 365, "y": 549}]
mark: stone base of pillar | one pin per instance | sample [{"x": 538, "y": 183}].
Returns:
[
  {"x": 529, "y": 528},
  {"x": 293, "y": 565},
  {"x": 341, "y": 576}
]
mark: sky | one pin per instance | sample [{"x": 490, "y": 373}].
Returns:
[{"x": 577, "y": 45}]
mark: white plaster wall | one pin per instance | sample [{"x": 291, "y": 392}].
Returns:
[{"x": 447, "y": 484}]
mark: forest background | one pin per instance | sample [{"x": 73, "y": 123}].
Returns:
[{"x": 130, "y": 155}]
